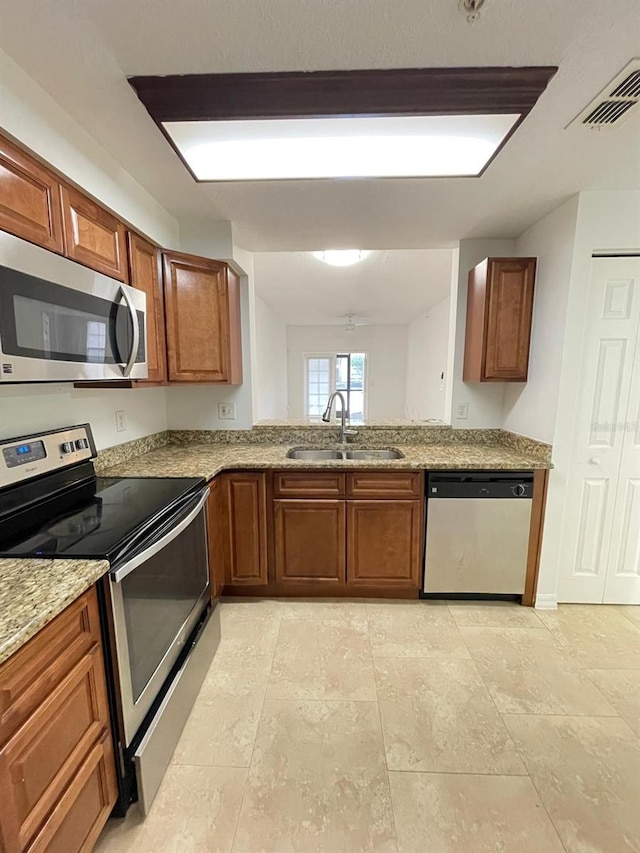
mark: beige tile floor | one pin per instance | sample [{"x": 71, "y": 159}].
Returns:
[{"x": 353, "y": 727}]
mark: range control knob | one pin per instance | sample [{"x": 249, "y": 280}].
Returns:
[
  {"x": 519, "y": 491},
  {"x": 81, "y": 444},
  {"x": 68, "y": 447}
]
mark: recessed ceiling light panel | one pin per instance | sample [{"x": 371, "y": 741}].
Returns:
[
  {"x": 342, "y": 257},
  {"x": 388, "y": 146}
]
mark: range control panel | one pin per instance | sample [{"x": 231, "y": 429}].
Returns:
[{"x": 24, "y": 458}]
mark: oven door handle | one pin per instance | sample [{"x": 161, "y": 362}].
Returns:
[
  {"x": 135, "y": 343},
  {"x": 131, "y": 565}
]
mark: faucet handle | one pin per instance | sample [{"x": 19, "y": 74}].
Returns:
[{"x": 351, "y": 432}]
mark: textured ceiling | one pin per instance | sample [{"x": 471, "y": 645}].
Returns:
[
  {"x": 81, "y": 51},
  {"x": 387, "y": 287}
]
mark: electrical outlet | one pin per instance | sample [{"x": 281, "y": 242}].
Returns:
[
  {"x": 121, "y": 421},
  {"x": 462, "y": 412},
  {"x": 227, "y": 411}
]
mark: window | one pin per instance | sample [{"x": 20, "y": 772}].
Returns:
[
  {"x": 328, "y": 372},
  {"x": 318, "y": 385}
]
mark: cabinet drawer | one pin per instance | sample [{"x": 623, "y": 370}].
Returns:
[
  {"x": 385, "y": 484},
  {"x": 77, "y": 820},
  {"x": 40, "y": 761},
  {"x": 308, "y": 484},
  {"x": 36, "y": 669}
]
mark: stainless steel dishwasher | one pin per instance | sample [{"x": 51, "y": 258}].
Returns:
[{"x": 477, "y": 532}]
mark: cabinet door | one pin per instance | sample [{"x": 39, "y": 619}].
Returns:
[
  {"x": 93, "y": 236},
  {"x": 384, "y": 542},
  {"x": 217, "y": 525},
  {"x": 246, "y": 514},
  {"x": 202, "y": 301},
  {"x": 509, "y": 317},
  {"x": 30, "y": 204},
  {"x": 145, "y": 273},
  {"x": 309, "y": 541}
]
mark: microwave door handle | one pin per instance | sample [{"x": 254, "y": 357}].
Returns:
[
  {"x": 149, "y": 552},
  {"x": 135, "y": 343}
]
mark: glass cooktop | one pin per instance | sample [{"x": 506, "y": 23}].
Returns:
[{"x": 96, "y": 519}]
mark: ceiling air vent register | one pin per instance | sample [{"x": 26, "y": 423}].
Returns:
[{"x": 615, "y": 101}]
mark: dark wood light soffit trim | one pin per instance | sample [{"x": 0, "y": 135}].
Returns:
[{"x": 326, "y": 94}]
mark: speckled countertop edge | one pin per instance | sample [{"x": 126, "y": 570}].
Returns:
[
  {"x": 33, "y": 592},
  {"x": 207, "y": 460}
]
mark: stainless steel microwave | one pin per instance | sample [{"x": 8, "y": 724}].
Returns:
[{"x": 62, "y": 322}]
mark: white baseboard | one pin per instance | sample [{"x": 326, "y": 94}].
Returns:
[{"x": 546, "y": 602}]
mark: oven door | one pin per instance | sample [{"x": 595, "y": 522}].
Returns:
[
  {"x": 61, "y": 321},
  {"x": 157, "y": 598}
]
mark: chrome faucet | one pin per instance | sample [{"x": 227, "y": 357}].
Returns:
[{"x": 326, "y": 416}]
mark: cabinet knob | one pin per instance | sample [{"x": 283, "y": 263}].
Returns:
[{"x": 594, "y": 460}]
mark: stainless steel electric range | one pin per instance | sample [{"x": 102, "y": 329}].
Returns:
[{"x": 160, "y": 627}]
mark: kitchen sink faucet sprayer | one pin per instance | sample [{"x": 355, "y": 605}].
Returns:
[{"x": 326, "y": 416}]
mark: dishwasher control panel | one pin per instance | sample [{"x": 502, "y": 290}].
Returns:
[{"x": 480, "y": 485}]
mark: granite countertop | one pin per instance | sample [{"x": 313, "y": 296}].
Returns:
[
  {"x": 207, "y": 460},
  {"x": 33, "y": 592}
]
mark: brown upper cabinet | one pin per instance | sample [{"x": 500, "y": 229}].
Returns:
[
  {"x": 93, "y": 236},
  {"x": 202, "y": 299},
  {"x": 499, "y": 317},
  {"x": 29, "y": 198},
  {"x": 145, "y": 273}
]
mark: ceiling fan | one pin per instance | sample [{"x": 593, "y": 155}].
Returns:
[{"x": 355, "y": 320}]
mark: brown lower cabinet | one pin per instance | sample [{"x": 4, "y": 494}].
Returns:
[
  {"x": 310, "y": 541},
  {"x": 245, "y": 516},
  {"x": 384, "y": 541},
  {"x": 308, "y": 532},
  {"x": 57, "y": 770}
]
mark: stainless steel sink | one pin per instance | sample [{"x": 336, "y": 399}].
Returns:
[
  {"x": 314, "y": 455},
  {"x": 374, "y": 454},
  {"x": 319, "y": 455}
]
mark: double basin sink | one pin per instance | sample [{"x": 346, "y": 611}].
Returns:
[{"x": 323, "y": 455}]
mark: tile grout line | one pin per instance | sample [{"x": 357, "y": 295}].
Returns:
[
  {"x": 246, "y": 781},
  {"x": 384, "y": 745},
  {"x": 515, "y": 745},
  {"x": 518, "y": 751}
]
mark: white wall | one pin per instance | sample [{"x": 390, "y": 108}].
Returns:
[
  {"x": 25, "y": 409},
  {"x": 270, "y": 383},
  {"x": 32, "y": 116},
  {"x": 386, "y": 349},
  {"x": 530, "y": 408},
  {"x": 427, "y": 362},
  {"x": 606, "y": 221},
  {"x": 485, "y": 399}
]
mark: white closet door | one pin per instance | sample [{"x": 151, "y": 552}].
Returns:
[
  {"x": 592, "y": 514},
  {"x": 623, "y": 572}
]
